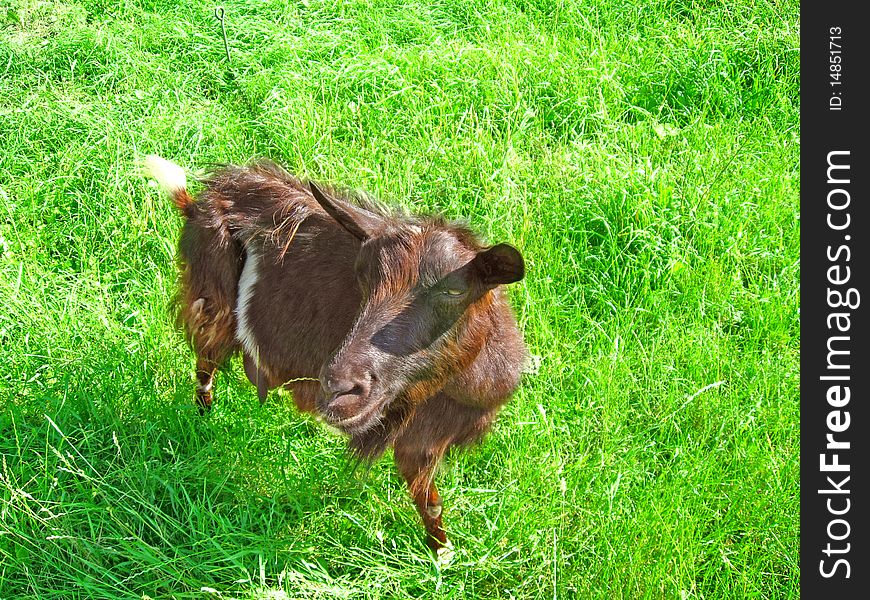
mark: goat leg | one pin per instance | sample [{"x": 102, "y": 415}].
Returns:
[
  {"x": 418, "y": 469},
  {"x": 429, "y": 506},
  {"x": 205, "y": 371}
]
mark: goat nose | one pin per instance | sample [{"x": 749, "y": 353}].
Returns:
[
  {"x": 346, "y": 394},
  {"x": 355, "y": 382},
  {"x": 336, "y": 388}
]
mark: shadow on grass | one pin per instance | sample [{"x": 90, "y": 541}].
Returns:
[{"x": 113, "y": 483}]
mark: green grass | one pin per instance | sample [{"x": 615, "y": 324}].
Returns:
[{"x": 643, "y": 156}]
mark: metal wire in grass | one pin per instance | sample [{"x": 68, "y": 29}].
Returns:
[
  {"x": 219, "y": 15},
  {"x": 231, "y": 77}
]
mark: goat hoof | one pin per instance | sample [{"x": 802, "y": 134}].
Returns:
[
  {"x": 203, "y": 402},
  {"x": 445, "y": 554},
  {"x": 437, "y": 540}
]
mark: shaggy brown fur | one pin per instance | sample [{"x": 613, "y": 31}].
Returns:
[{"x": 402, "y": 320}]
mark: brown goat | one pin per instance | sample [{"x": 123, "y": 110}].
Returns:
[{"x": 403, "y": 321}]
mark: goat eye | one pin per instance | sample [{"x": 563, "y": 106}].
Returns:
[{"x": 453, "y": 292}]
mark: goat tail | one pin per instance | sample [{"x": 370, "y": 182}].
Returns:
[{"x": 172, "y": 179}]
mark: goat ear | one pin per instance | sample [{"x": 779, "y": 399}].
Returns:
[
  {"x": 361, "y": 223},
  {"x": 500, "y": 264}
]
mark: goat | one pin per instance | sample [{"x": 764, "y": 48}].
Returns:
[{"x": 403, "y": 321}]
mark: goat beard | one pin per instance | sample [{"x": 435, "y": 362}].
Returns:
[{"x": 369, "y": 445}]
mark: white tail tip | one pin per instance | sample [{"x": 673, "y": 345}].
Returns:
[{"x": 170, "y": 176}]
